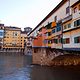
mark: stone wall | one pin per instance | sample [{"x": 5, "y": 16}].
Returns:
[{"x": 44, "y": 56}]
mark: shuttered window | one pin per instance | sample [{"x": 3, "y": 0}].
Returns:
[
  {"x": 66, "y": 41},
  {"x": 77, "y": 39}
]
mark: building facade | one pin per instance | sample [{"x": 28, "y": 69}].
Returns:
[
  {"x": 12, "y": 36},
  {"x": 23, "y": 39}
]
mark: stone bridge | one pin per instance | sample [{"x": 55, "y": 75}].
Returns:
[{"x": 50, "y": 57}]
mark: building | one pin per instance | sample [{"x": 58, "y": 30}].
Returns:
[
  {"x": 58, "y": 31},
  {"x": 27, "y": 29},
  {"x": 23, "y": 40},
  {"x": 12, "y": 38},
  {"x": 58, "y": 25}
]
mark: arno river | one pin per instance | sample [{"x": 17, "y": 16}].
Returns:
[{"x": 17, "y": 67}]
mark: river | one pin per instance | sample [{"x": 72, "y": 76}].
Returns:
[{"x": 18, "y": 67}]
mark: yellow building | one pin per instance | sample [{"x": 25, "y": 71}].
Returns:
[
  {"x": 23, "y": 40},
  {"x": 12, "y": 38}
]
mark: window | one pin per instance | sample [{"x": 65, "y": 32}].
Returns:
[
  {"x": 58, "y": 28},
  {"x": 56, "y": 41},
  {"x": 55, "y": 18},
  {"x": 75, "y": 10},
  {"x": 69, "y": 25},
  {"x": 77, "y": 23},
  {"x": 77, "y": 39},
  {"x": 53, "y": 31},
  {"x": 60, "y": 40},
  {"x": 49, "y": 42},
  {"x": 15, "y": 34},
  {"x": 65, "y": 27},
  {"x": 1, "y": 33},
  {"x": 67, "y": 10},
  {"x": 66, "y": 41}
]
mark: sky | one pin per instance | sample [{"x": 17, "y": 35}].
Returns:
[{"x": 25, "y": 13}]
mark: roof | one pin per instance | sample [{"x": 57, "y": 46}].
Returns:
[
  {"x": 27, "y": 28},
  {"x": 12, "y": 28},
  {"x": 23, "y": 32},
  {"x": 53, "y": 11},
  {"x": 75, "y": 4}
]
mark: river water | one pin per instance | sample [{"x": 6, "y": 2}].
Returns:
[{"x": 18, "y": 67}]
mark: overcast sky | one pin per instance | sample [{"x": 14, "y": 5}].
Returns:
[{"x": 25, "y": 13}]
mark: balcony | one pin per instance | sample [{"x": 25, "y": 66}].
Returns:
[{"x": 67, "y": 18}]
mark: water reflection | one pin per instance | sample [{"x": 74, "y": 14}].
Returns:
[
  {"x": 56, "y": 73},
  {"x": 17, "y": 67},
  {"x": 12, "y": 67}
]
